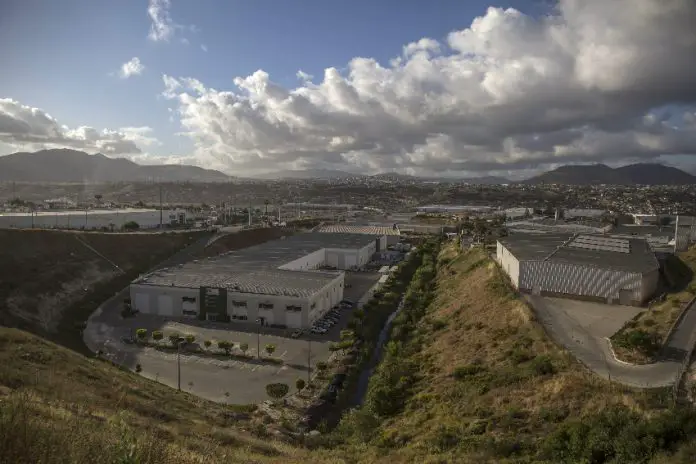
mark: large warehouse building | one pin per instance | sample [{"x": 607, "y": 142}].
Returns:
[
  {"x": 289, "y": 282},
  {"x": 91, "y": 219},
  {"x": 613, "y": 270},
  {"x": 389, "y": 234}
]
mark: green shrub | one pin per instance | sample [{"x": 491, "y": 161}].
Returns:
[
  {"x": 141, "y": 334},
  {"x": 463, "y": 372},
  {"x": 640, "y": 340},
  {"x": 157, "y": 335},
  {"x": 542, "y": 365},
  {"x": 439, "y": 324},
  {"x": 277, "y": 390}
]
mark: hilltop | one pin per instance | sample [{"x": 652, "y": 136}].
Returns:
[
  {"x": 597, "y": 174},
  {"x": 63, "y": 165}
]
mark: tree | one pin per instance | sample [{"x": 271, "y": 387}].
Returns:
[
  {"x": 347, "y": 335},
  {"x": 270, "y": 348},
  {"x": 244, "y": 347},
  {"x": 190, "y": 338},
  {"x": 225, "y": 346},
  {"x": 207, "y": 344},
  {"x": 157, "y": 335},
  {"x": 138, "y": 368},
  {"x": 141, "y": 334},
  {"x": 131, "y": 225},
  {"x": 300, "y": 384},
  {"x": 321, "y": 366},
  {"x": 277, "y": 390},
  {"x": 174, "y": 338}
]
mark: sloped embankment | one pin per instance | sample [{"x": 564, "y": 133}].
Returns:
[{"x": 483, "y": 383}]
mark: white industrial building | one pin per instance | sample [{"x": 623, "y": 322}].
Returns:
[
  {"x": 90, "y": 219},
  {"x": 289, "y": 282},
  {"x": 613, "y": 270},
  {"x": 389, "y": 235}
]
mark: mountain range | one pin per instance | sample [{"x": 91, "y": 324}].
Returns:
[
  {"x": 598, "y": 174},
  {"x": 63, "y": 165}
]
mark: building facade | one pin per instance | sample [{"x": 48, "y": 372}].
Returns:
[
  {"x": 611, "y": 270},
  {"x": 91, "y": 219},
  {"x": 290, "y": 282}
]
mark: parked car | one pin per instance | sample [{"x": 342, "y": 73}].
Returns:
[
  {"x": 318, "y": 330},
  {"x": 346, "y": 302},
  {"x": 296, "y": 333}
]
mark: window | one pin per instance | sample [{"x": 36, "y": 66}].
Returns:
[
  {"x": 293, "y": 308},
  {"x": 188, "y": 312},
  {"x": 239, "y": 304},
  {"x": 265, "y": 305},
  {"x": 188, "y": 299}
]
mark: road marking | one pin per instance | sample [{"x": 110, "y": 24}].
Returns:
[{"x": 284, "y": 353}]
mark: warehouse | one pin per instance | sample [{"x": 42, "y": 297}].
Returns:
[
  {"x": 91, "y": 219},
  {"x": 289, "y": 282},
  {"x": 612, "y": 270},
  {"x": 389, "y": 234}
]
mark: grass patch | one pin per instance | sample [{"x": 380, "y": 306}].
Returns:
[{"x": 641, "y": 338}]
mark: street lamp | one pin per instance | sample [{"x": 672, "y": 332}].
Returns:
[
  {"x": 258, "y": 338},
  {"x": 178, "y": 362}
]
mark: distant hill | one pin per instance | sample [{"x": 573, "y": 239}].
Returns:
[
  {"x": 65, "y": 165},
  {"x": 595, "y": 174},
  {"x": 307, "y": 174}
]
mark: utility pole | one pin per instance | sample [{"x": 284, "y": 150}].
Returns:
[
  {"x": 249, "y": 215},
  {"x": 160, "y": 198},
  {"x": 309, "y": 361},
  {"x": 178, "y": 364},
  {"x": 258, "y": 338}
]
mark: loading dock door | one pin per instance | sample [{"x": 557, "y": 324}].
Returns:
[
  {"x": 142, "y": 302},
  {"x": 293, "y": 319},
  {"x": 625, "y": 296},
  {"x": 332, "y": 259},
  {"x": 351, "y": 261},
  {"x": 164, "y": 305}
]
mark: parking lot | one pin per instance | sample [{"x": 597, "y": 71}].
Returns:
[{"x": 214, "y": 378}]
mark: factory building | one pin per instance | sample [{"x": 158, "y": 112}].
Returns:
[
  {"x": 389, "y": 234},
  {"x": 91, "y": 219},
  {"x": 289, "y": 282},
  {"x": 594, "y": 267}
]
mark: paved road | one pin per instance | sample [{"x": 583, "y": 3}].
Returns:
[{"x": 590, "y": 345}]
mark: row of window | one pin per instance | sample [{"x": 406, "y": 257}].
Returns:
[{"x": 243, "y": 304}]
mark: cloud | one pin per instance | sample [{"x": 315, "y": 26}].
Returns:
[
  {"x": 131, "y": 68},
  {"x": 204, "y": 48},
  {"x": 592, "y": 81},
  {"x": 27, "y": 128},
  {"x": 163, "y": 27}
]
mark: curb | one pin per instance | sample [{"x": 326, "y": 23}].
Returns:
[
  {"x": 625, "y": 363},
  {"x": 676, "y": 322}
]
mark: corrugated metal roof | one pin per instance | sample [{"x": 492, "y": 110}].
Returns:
[
  {"x": 347, "y": 229},
  {"x": 255, "y": 269},
  {"x": 626, "y": 254}
]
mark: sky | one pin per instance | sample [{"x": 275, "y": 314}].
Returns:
[{"x": 446, "y": 88}]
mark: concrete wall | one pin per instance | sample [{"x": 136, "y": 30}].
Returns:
[
  {"x": 509, "y": 263},
  {"x": 310, "y": 261},
  {"x": 151, "y": 299},
  {"x": 93, "y": 219},
  {"x": 562, "y": 279}
]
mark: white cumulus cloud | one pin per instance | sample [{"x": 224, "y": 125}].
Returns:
[
  {"x": 133, "y": 67},
  {"x": 27, "y": 128},
  {"x": 162, "y": 26},
  {"x": 594, "y": 81}
]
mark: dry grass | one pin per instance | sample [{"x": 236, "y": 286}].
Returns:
[
  {"x": 482, "y": 397},
  {"x": 681, "y": 271},
  {"x": 58, "y": 406},
  {"x": 44, "y": 272}
]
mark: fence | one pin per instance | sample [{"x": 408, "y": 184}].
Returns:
[{"x": 684, "y": 364}]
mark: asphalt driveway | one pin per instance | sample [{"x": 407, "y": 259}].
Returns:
[{"x": 583, "y": 328}]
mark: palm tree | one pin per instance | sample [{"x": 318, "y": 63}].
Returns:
[{"x": 266, "y": 202}]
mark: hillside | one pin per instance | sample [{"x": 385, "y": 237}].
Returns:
[
  {"x": 63, "y": 165},
  {"x": 634, "y": 174},
  {"x": 49, "y": 280},
  {"x": 474, "y": 379},
  {"x": 57, "y": 406}
]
